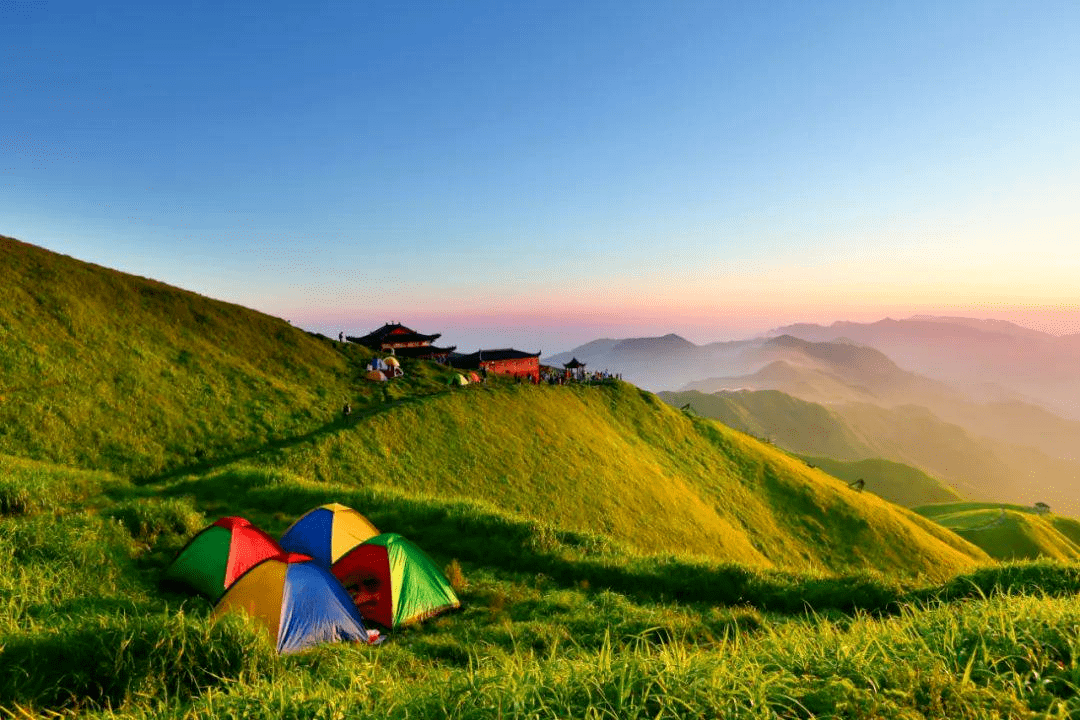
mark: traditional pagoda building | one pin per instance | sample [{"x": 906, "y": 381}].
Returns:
[
  {"x": 575, "y": 368},
  {"x": 504, "y": 362},
  {"x": 396, "y": 339}
]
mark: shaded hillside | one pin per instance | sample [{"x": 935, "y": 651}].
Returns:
[
  {"x": 104, "y": 370},
  {"x": 802, "y": 427},
  {"x": 975, "y": 467},
  {"x": 1009, "y": 532},
  {"x": 893, "y": 481}
]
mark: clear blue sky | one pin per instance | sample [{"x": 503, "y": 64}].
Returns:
[{"x": 539, "y": 174}]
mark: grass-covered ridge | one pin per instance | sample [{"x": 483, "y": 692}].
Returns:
[
  {"x": 104, "y": 370},
  {"x": 893, "y": 481},
  {"x": 1009, "y": 532},
  {"x": 614, "y": 461}
]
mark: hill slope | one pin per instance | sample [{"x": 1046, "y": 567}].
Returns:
[
  {"x": 104, "y": 370},
  {"x": 616, "y": 461},
  {"x": 896, "y": 482},
  {"x": 147, "y": 381},
  {"x": 1009, "y": 532},
  {"x": 977, "y": 467}
]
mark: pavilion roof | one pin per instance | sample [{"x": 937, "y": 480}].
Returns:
[{"x": 392, "y": 334}]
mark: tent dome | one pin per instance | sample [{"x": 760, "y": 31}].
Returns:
[
  {"x": 376, "y": 375},
  {"x": 393, "y": 582},
  {"x": 392, "y": 362},
  {"x": 219, "y": 554},
  {"x": 300, "y": 603},
  {"x": 328, "y": 532}
]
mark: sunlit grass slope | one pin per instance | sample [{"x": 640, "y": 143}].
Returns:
[
  {"x": 1009, "y": 532},
  {"x": 896, "y": 482},
  {"x": 100, "y": 369},
  {"x": 615, "y": 460}
]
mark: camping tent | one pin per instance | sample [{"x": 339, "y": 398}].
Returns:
[
  {"x": 473, "y": 377},
  {"x": 328, "y": 532},
  {"x": 457, "y": 379},
  {"x": 219, "y": 554},
  {"x": 376, "y": 375},
  {"x": 393, "y": 582},
  {"x": 392, "y": 362},
  {"x": 377, "y": 364},
  {"x": 300, "y": 603}
]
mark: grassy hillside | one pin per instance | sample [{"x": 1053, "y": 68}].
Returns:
[
  {"x": 554, "y": 624},
  {"x": 975, "y": 467},
  {"x": 178, "y": 383},
  {"x": 615, "y": 461},
  {"x": 1009, "y": 532},
  {"x": 99, "y": 369},
  {"x": 896, "y": 482}
]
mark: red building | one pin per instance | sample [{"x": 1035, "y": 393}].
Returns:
[
  {"x": 396, "y": 339},
  {"x": 504, "y": 362}
]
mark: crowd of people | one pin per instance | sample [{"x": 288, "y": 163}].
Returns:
[{"x": 554, "y": 376}]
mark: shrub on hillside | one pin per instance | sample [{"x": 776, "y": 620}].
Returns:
[
  {"x": 19, "y": 497},
  {"x": 1040, "y": 577},
  {"x": 149, "y": 518}
]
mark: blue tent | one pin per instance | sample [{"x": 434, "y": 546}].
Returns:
[
  {"x": 328, "y": 532},
  {"x": 301, "y": 603}
]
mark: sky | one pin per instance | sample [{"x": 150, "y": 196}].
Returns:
[{"x": 540, "y": 174}]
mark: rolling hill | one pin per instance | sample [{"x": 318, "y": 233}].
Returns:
[
  {"x": 976, "y": 467},
  {"x": 896, "y": 482},
  {"x": 105, "y": 371},
  {"x": 1009, "y": 532}
]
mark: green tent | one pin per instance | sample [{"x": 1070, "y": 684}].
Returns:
[
  {"x": 219, "y": 554},
  {"x": 393, "y": 582}
]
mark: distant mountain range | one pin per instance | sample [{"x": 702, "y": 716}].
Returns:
[
  {"x": 987, "y": 406},
  {"x": 984, "y": 360},
  {"x": 988, "y": 359}
]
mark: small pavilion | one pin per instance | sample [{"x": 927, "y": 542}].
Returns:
[{"x": 575, "y": 368}]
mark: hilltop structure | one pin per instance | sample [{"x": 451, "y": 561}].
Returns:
[
  {"x": 401, "y": 341},
  {"x": 575, "y": 368},
  {"x": 506, "y": 361}
]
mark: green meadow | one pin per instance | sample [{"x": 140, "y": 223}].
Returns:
[{"x": 615, "y": 557}]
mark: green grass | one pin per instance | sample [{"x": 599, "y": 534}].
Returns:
[
  {"x": 1008, "y": 532},
  {"x": 553, "y": 624},
  {"x": 615, "y": 558},
  {"x": 893, "y": 481}
]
